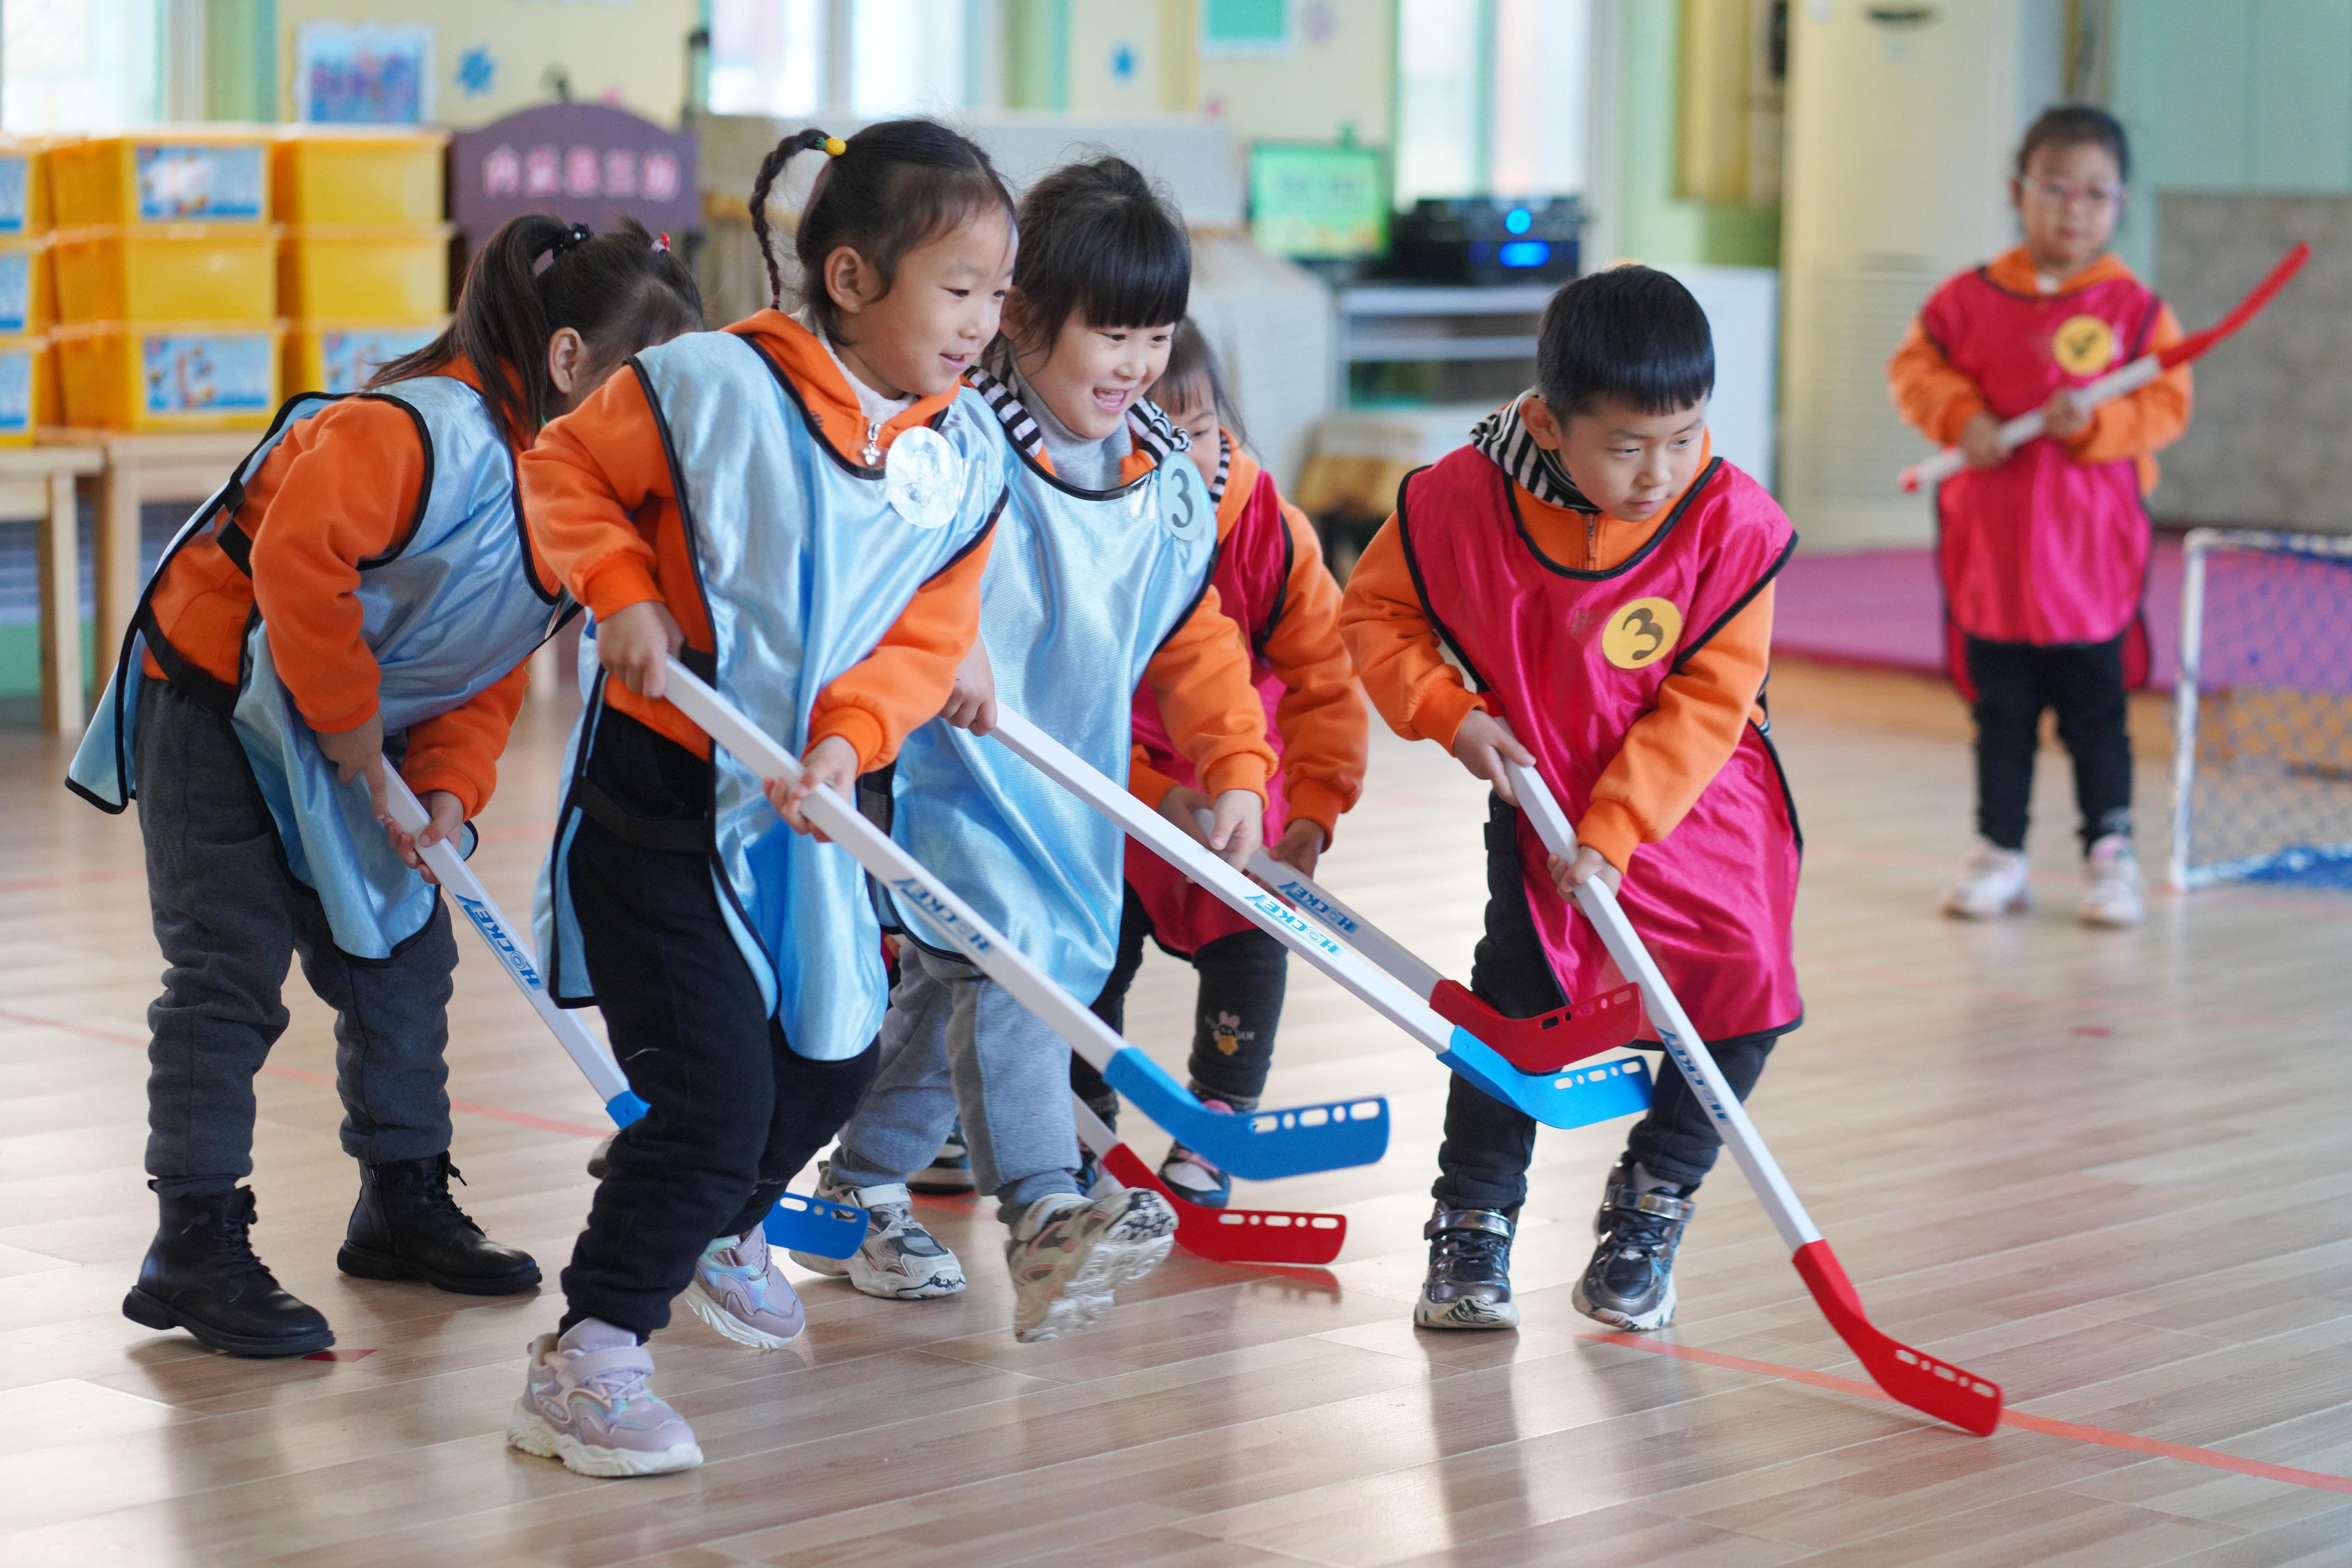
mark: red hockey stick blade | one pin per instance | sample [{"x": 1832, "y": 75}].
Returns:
[
  {"x": 2196, "y": 344},
  {"x": 1236, "y": 1236},
  {"x": 1549, "y": 1041},
  {"x": 1920, "y": 1381}
]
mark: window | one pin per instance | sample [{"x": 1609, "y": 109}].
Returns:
[
  {"x": 1490, "y": 97},
  {"x": 906, "y": 56},
  {"x": 767, "y": 57},
  {"x": 779, "y": 56},
  {"x": 81, "y": 65}
]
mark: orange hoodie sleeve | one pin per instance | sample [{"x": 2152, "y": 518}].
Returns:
[
  {"x": 1932, "y": 396},
  {"x": 904, "y": 681},
  {"x": 585, "y": 484},
  {"x": 2140, "y": 423},
  {"x": 1396, "y": 649},
  {"x": 1201, "y": 676},
  {"x": 346, "y": 494},
  {"x": 1320, "y": 715},
  {"x": 1673, "y": 751},
  {"x": 458, "y": 751},
  {"x": 1144, "y": 782}
]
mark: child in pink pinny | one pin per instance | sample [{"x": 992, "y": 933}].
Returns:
[{"x": 2043, "y": 550}]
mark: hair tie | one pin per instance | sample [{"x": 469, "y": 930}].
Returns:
[
  {"x": 663, "y": 243},
  {"x": 578, "y": 235},
  {"x": 834, "y": 146}
]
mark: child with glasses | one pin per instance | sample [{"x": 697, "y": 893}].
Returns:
[{"x": 2043, "y": 550}]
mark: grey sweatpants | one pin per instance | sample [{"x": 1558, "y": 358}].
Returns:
[
  {"x": 955, "y": 1042},
  {"x": 230, "y": 917}
]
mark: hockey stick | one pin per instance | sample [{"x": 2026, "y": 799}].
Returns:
[
  {"x": 1545, "y": 1043},
  {"x": 1575, "y": 1099},
  {"x": 1920, "y": 1381},
  {"x": 1222, "y": 1236},
  {"x": 2017, "y": 432},
  {"x": 808, "y": 1225},
  {"x": 1262, "y": 1146}
]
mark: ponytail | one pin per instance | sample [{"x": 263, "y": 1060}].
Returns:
[
  {"x": 619, "y": 292},
  {"x": 892, "y": 187}
]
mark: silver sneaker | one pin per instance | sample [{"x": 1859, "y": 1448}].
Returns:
[
  {"x": 1468, "y": 1285},
  {"x": 1069, "y": 1254},
  {"x": 2111, "y": 885},
  {"x": 1993, "y": 881},
  {"x": 594, "y": 1410},
  {"x": 899, "y": 1260}
]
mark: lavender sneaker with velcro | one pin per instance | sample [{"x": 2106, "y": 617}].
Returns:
[
  {"x": 738, "y": 1290},
  {"x": 590, "y": 1406}
]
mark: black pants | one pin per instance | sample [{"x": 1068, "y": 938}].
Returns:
[
  {"x": 1483, "y": 1162},
  {"x": 732, "y": 1114},
  {"x": 229, "y": 917},
  {"x": 2085, "y": 682},
  {"x": 1243, "y": 978}
]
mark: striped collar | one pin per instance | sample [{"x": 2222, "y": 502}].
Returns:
[
  {"x": 1502, "y": 438},
  {"x": 1152, "y": 431},
  {"x": 1224, "y": 462}
]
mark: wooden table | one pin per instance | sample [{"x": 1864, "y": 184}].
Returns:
[
  {"x": 37, "y": 482},
  {"x": 136, "y": 470}
]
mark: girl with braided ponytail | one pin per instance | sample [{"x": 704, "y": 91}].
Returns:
[
  {"x": 800, "y": 508},
  {"x": 359, "y": 584}
]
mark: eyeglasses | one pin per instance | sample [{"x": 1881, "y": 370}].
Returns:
[{"x": 2059, "y": 192}]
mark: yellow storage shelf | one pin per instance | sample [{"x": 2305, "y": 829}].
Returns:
[
  {"x": 24, "y": 185},
  {"x": 378, "y": 272},
  {"x": 183, "y": 376},
  {"x": 28, "y": 295},
  {"x": 25, "y": 371},
  {"x": 339, "y": 356},
  {"x": 350, "y": 175},
  {"x": 171, "y": 272},
  {"x": 172, "y": 173}
]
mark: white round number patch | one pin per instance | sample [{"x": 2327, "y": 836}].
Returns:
[{"x": 923, "y": 477}]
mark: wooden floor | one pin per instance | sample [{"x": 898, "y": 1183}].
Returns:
[{"x": 2112, "y": 1170}]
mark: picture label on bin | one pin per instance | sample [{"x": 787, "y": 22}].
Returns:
[
  {"x": 181, "y": 181},
  {"x": 16, "y": 392},
  {"x": 209, "y": 372},
  {"x": 15, "y": 188},
  {"x": 16, "y": 291},
  {"x": 348, "y": 359}
]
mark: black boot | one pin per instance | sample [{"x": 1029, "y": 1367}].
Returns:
[
  {"x": 200, "y": 1274},
  {"x": 407, "y": 1226}
]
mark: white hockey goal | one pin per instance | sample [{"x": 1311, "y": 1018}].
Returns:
[{"x": 2262, "y": 716}]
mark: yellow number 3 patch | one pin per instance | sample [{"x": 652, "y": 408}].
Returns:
[
  {"x": 2084, "y": 345},
  {"x": 1641, "y": 633}
]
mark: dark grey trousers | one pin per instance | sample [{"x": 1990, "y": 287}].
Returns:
[{"x": 230, "y": 918}]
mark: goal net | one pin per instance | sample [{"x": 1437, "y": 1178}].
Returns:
[{"x": 2262, "y": 717}]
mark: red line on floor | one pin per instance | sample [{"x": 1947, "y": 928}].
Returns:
[
  {"x": 2073, "y": 1430},
  {"x": 71, "y": 879}
]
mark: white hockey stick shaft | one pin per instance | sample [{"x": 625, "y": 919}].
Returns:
[
  {"x": 2017, "y": 432},
  {"x": 1681, "y": 1041}
]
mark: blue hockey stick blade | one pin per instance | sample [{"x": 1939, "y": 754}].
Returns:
[
  {"x": 1575, "y": 1096},
  {"x": 814, "y": 1224},
  {"x": 1261, "y": 1145}
]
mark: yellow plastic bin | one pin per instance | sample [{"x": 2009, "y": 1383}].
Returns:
[
  {"x": 28, "y": 299},
  {"x": 175, "y": 174},
  {"x": 356, "y": 272},
  {"x": 24, "y": 375},
  {"x": 185, "y": 377},
  {"x": 336, "y": 175},
  {"x": 23, "y": 185},
  {"x": 339, "y": 356},
  {"x": 172, "y": 272}
]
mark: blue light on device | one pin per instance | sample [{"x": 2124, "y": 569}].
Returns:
[
  {"x": 1524, "y": 253},
  {"x": 1519, "y": 220}
]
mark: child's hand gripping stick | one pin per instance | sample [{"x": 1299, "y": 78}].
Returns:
[
  {"x": 1545, "y": 1043},
  {"x": 1920, "y": 1381},
  {"x": 1262, "y": 1146},
  {"x": 2116, "y": 384},
  {"x": 807, "y": 1225},
  {"x": 1568, "y": 1100},
  {"x": 1224, "y": 1235}
]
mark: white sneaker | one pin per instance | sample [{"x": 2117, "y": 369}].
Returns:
[
  {"x": 1992, "y": 882},
  {"x": 899, "y": 1260},
  {"x": 1069, "y": 1255},
  {"x": 2111, "y": 895},
  {"x": 586, "y": 1401}
]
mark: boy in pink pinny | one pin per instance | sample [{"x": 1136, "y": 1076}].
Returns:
[
  {"x": 1606, "y": 583},
  {"x": 2043, "y": 551}
]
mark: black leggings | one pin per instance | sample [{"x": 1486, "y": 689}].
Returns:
[
  {"x": 2085, "y": 682},
  {"x": 733, "y": 1112},
  {"x": 1242, "y": 977}
]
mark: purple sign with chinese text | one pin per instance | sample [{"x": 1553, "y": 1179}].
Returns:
[{"x": 584, "y": 163}]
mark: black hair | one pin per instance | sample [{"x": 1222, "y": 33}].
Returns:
[
  {"x": 619, "y": 292},
  {"x": 2076, "y": 125},
  {"x": 1632, "y": 333},
  {"x": 887, "y": 190},
  {"x": 1096, "y": 238},
  {"x": 1193, "y": 361}
]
